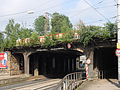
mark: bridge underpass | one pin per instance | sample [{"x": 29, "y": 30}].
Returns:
[
  {"x": 53, "y": 64},
  {"x": 105, "y": 61}
]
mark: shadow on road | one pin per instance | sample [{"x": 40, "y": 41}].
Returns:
[{"x": 114, "y": 83}]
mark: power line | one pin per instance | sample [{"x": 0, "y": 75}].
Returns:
[
  {"x": 86, "y": 9},
  {"x": 43, "y": 4},
  {"x": 13, "y": 14},
  {"x": 50, "y": 8},
  {"x": 100, "y": 2},
  {"x": 115, "y": 1},
  {"x": 105, "y": 6},
  {"x": 33, "y": 9},
  {"x": 83, "y": 10},
  {"x": 42, "y": 10},
  {"x": 30, "y": 10},
  {"x": 96, "y": 10},
  {"x": 93, "y": 21},
  {"x": 107, "y": 1},
  {"x": 99, "y": 20},
  {"x": 22, "y": 11}
]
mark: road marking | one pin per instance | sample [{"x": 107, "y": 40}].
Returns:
[
  {"x": 46, "y": 87},
  {"x": 37, "y": 85}
]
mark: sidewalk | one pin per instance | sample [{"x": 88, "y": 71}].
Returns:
[
  {"x": 103, "y": 84},
  {"x": 13, "y": 76}
]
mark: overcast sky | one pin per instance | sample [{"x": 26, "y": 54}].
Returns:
[{"x": 75, "y": 9}]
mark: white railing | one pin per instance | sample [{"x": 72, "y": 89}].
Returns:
[{"x": 71, "y": 81}]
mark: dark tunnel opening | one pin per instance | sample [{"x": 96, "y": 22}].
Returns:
[
  {"x": 54, "y": 64},
  {"x": 17, "y": 61},
  {"x": 106, "y": 62}
]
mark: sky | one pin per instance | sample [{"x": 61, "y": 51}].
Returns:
[{"x": 101, "y": 11}]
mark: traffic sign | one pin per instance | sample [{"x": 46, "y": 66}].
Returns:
[
  {"x": 69, "y": 45},
  {"x": 88, "y": 61},
  {"x": 117, "y": 52},
  {"x": 118, "y": 45}
]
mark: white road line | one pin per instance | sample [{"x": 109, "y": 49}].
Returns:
[
  {"x": 37, "y": 85},
  {"x": 46, "y": 87}
]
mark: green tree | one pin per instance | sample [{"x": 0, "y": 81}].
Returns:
[
  {"x": 60, "y": 23},
  {"x": 11, "y": 33},
  {"x": 39, "y": 24},
  {"x": 90, "y": 32},
  {"x": 25, "y": 33},
  {"x": 112, "y": 28},
  {"x": 1, "y": 42},
  {"x": 34, "y": 38}
]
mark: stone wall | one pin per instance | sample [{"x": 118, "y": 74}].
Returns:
[{"x": 14, "y": 66}]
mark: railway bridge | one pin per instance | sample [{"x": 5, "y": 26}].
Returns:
[{"x": 64, "y": 58}]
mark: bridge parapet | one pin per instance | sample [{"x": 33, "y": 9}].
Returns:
[{"x": 41, "y": 39}]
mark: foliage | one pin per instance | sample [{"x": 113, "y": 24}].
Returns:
[
  {"x": 89, "y": 33},
  {"x": 25, "y": 33},
  {"x": 50, "y": 40},
  {"x": 112, "y": 28},
  {"x": 60, "y": 23},
  {"x": 11, "y": 33},
  {"x": 40, "y": 25},
  {"x": 34, "y": 39},
  {"x": 1, "y": 42},
  {"x": 67, "y": 37}
]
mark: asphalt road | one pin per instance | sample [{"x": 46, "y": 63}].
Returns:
[{"x": 47, "y": 84}]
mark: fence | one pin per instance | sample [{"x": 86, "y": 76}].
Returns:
[
  {"x": 71, "y": 81},
  {"x": 102, "y": 74}
]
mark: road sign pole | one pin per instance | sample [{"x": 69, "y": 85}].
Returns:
[{"x": 118, "y": 36}]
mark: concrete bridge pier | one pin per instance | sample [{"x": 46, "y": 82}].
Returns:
[
  {"x": 91, "y": 68},
  {"x": 90, "y": 57},
  {"x": 26, "y": 62}
]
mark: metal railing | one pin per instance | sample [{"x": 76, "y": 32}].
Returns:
[
  {"x": 102, "y": 74},
  {"x": 71, "y": 81}
]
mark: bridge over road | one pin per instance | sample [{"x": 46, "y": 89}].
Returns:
[{"x": 101, "y": 84}]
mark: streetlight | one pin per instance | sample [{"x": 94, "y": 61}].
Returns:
[{"x": 30, "y": 12}]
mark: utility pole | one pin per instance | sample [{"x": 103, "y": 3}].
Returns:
[
  {"x": 118, "y": 37},
  {"x": 48, "y": 26}
]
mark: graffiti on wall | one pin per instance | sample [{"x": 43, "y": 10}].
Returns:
[{"x": 3, "y": 60}]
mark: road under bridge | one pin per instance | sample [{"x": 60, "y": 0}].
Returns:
[{"x": 58, "y": 61}]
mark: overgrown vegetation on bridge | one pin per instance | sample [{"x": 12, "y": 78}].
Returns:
[{"x": 60, "y": 24}]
